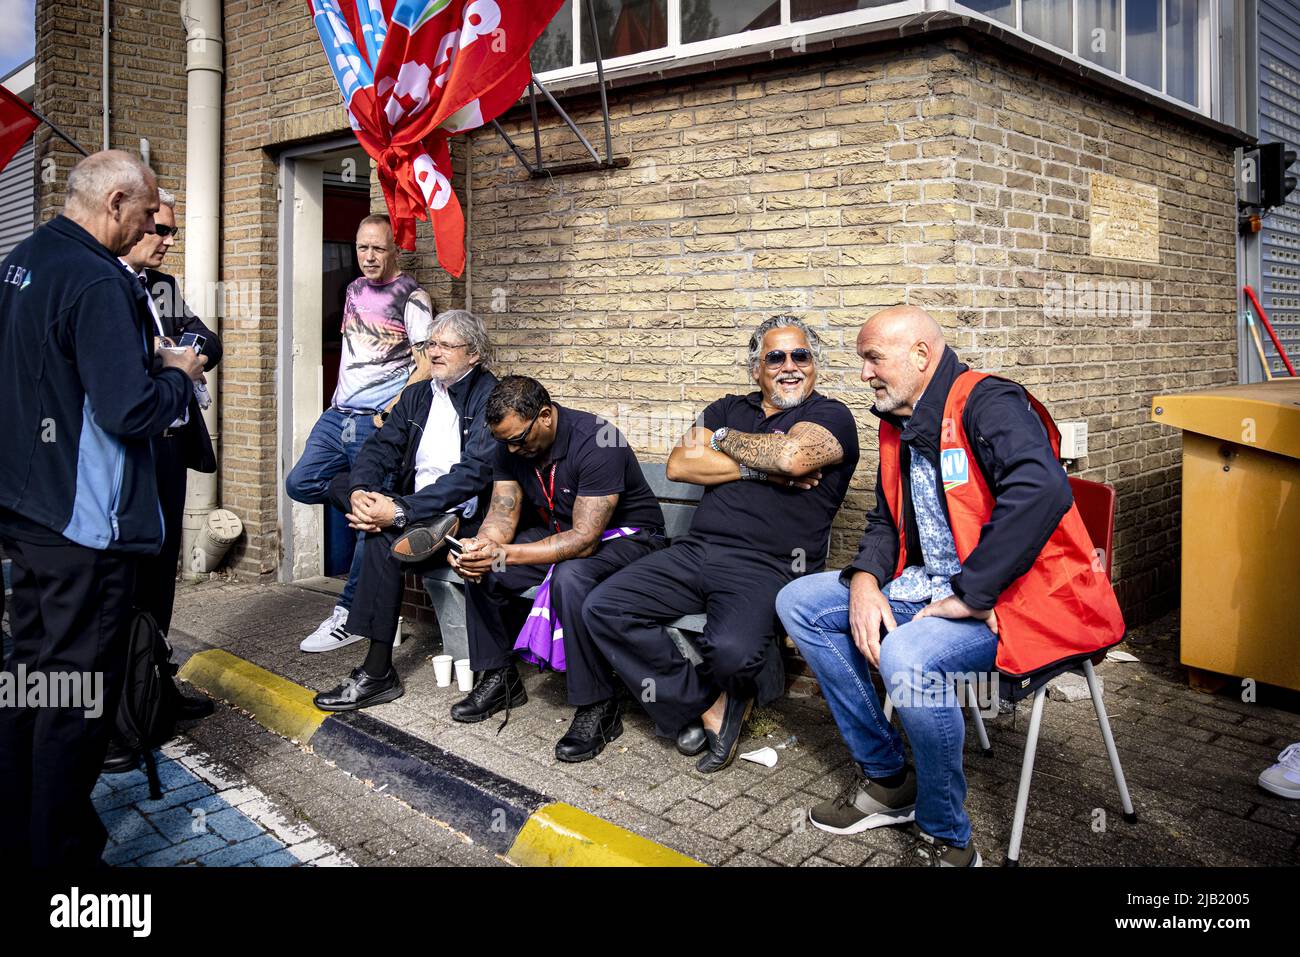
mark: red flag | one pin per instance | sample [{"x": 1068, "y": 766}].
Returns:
[
  {"x": 413, "y": 74},
  {"x": 16, "y": 124}
]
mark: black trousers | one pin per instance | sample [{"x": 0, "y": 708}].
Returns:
[
  {"x": 492, "y": 630},
  {"x": 378, "y": 599},
  {"x": 68, "y": 614},
  {"x": 155, "y": 580},
  {"x": 735, "y": 587}
]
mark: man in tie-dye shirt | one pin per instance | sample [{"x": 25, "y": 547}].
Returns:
[{"x": 386, "y": 321}]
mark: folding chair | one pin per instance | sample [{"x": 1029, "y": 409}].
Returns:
[{"x": 1096, "y": 503}]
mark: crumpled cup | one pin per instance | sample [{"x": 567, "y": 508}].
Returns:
[{"x": 763, "y": 756}]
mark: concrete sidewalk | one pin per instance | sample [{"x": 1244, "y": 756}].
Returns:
[{"x": 1191, "y": 759}]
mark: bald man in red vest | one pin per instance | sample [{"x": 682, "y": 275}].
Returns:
[{"x": 974, "y": 559}]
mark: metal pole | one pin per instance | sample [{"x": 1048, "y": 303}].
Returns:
[
  {"x": 567, "y": 121},
  {"x": 58, "y": 132},
  {"x": 600, "y": 78},
  {"x": 511, "y": 143},
  {"x": 537, "y": 135}
]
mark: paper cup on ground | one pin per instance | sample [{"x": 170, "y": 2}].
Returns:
[
  {"x": 442, "y": 670},
  {"x": 464, "y": 676}
]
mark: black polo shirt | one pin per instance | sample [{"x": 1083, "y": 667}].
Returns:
[
  {"x": 591, "y": 458},
  {"x": 772, "y": 518}
]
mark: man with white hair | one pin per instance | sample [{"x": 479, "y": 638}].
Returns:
[
  {"x": 435, "y": 453},
  {"x": 775, "y": 465},
  {"x": 78, "y": 497},
  {"x": 185, "y": 443}
]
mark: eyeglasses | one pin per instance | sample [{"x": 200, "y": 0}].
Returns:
[
  {"x": 165, "y": 231},
  {"x": 522, "y": 437},
  {"x": 776, "y": 358},
  {"x": 442, "y": 346}
]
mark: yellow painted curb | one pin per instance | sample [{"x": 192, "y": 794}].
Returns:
[
  {"x": 561, "y": 835},
  {"x": 279, "y": 704}
]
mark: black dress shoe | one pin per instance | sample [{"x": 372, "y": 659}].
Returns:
[
  {"x": 420, "y": 542},
  {"x": 496, "y": 689},
  {"x": 360, "y": 690},
  {"x": 724, "y": 745},
  {"x": 691, "y": 740},
  {"x": 120, "y": 759},
  {"x": 593, "y": 727},
  {"x": 192, "y": 709}
]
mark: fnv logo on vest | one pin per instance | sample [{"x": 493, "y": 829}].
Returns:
[{"x": 954, "y": 468}]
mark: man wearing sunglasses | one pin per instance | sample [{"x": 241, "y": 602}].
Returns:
[
  {"x": 436, "y": 455},
  {"x": 775, "y": 465},
  {"x": 185, "y": 444},
  {"x": 570, "y": 506}
]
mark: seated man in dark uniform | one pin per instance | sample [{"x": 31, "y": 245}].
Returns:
[
  {"x": 577, "y": 473},
  {"x": 776, "y": 465}
]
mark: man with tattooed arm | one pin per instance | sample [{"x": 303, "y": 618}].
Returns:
[
  {"x": 775, "y": 464},
  {"x": 573, "y": 478}
]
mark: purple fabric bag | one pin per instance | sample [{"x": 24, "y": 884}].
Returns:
[{"x": 541, "y": 640}]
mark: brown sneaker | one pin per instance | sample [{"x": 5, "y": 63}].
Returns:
[
  {"x": 931, "y": 852},
  {"x": 864, "y": 804}
]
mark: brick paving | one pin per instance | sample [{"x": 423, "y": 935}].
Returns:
[
  {"x": 237, "y": 795},
  {"x": 1191, "y": 759}
]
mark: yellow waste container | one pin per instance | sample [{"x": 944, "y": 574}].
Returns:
[{"x": 1241, "y": 528}]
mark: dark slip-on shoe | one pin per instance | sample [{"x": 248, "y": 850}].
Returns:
[{"x": 421, "y": 542}]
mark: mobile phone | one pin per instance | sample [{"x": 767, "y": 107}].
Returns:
[
  {"x": 192, "y": 340},
  {"x": 454, "y": 544}
]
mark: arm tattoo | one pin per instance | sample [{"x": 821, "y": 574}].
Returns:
[
  {"x": 591, "y": 515},
  {"x": 503, "y": 512},
  {"x": 805, "y": 449}
]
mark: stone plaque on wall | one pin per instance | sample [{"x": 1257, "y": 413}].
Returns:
[{"x": 1125, "y": 219}]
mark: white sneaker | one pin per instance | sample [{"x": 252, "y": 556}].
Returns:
[
  {"x": 1283, "y": 778},
  {"x": 331, "y": 634}
]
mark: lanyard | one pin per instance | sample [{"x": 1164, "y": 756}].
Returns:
[{"x": 549, "y": 495}]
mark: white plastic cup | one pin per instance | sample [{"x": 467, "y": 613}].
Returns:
[
  {"x": 464, "y": 676},
  {"x": 442, "y": 670}
]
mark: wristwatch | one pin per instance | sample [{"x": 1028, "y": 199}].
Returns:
[
  {"x": 718, "y": 436},
  {"x": 399, "y": 516}
]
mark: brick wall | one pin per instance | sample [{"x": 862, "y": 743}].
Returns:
[
  {"x": 942, "y": 175},
  {"x": 939, "y": 173}
]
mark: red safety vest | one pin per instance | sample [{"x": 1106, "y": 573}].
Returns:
[{"x": 1063, "y": 606}]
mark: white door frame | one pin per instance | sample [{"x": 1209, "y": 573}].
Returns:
[{"x": 298, "y": 366}]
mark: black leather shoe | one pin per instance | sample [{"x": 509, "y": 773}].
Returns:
[
  {"x": 359, "y": 690},
  {"x": 593, "y": 727},
  {"x": 691, "y": 740},
  {"x": 120, "y": 759},
  {"x": 496, "y": 689},
  {"x": 724, "y": 745},
  {"x": 420, "y": 542},
  {"x": 192, "y": 709}
]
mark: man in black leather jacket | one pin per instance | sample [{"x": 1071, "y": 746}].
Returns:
[{"x": 426, "y": 471}]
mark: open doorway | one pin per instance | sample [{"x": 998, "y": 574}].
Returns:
[{"x": 325, "y": 193}]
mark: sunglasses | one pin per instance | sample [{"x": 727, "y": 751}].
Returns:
[
  {"x": 776, "y": 358},
  {"x": 523, "y": 436},
  {"x": 165, "y": 231}
]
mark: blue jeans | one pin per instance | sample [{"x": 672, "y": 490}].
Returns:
[
  {"x": 916, "y": 661},
  {"x": 332, "y": 447}
]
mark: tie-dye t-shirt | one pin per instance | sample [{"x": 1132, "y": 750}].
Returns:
[{"x": 376, "y": 360}]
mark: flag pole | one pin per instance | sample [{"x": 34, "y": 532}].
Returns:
[{"x": 62, "y": 135}]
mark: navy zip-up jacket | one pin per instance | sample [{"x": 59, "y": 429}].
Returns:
[
  {"x": 1031, "y": 490},
  {"x": 392, "y": 451},
  {"x": 76, "y": 339}
]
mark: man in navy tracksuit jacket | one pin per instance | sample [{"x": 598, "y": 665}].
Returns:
[{"x": 78, "y": 499}]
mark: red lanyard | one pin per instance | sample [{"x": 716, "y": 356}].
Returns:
[{"x": 550, "y": 495}]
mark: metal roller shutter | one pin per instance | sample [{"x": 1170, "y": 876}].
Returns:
[
  {"x": 1279, "y": 121},
  {"x": 17, "y": 197}
]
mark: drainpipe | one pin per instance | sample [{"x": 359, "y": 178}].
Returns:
[
  {"x": 207, "y": 531},
  {"x": 108, "y": 29}
]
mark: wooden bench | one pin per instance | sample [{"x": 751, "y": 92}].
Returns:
[{"x": 678, "y": 501}]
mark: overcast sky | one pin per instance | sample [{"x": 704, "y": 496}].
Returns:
[{"x": 17, "y": 33}]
